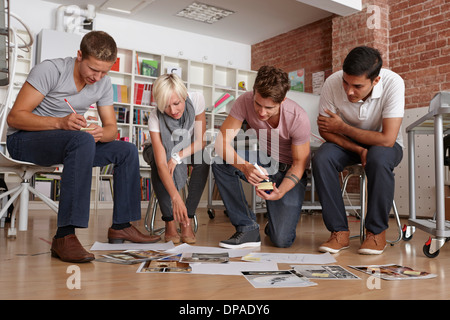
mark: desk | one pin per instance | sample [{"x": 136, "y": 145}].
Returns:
[{"x": 437, "y": 122}]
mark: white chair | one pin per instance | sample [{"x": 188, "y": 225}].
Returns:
[
  {"x": 24, "y": 170},
  {"x": 357, "y": 170}
]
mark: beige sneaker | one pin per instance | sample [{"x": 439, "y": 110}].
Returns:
[
  {"x": 374, "y": 243},
  {"x": 338, "y": 241}
]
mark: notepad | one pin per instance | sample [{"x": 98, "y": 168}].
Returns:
[{"x": 265, "y": 186}]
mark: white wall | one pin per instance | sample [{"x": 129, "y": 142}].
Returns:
[{"x": 40, "y": 15}]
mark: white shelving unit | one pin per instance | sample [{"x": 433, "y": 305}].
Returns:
[{"x": 209, "y": 79}]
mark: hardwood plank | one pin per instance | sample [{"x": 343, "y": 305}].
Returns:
[{"x": 29, "y": 272}]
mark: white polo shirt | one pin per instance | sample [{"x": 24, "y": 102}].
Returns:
[{"x": 386, "y": 101}]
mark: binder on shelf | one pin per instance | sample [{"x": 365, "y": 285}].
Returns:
[
  {"x": 146, "y": 95},
  {"x": 223, "y": 100},
  {"x": 138, "y": 92},
  {"x": 143, "y": 94}
]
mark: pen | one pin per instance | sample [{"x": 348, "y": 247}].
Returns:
[
  {"x": 70, "y": 106},
  {"x": 260, "y": 171}
]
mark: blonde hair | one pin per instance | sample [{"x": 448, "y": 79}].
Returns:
[{"x": 165, "y": 86}]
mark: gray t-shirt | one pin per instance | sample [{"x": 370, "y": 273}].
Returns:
[{"x": 54, "y": 79}]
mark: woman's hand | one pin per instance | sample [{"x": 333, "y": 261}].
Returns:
[
  {"x": 171, "y": 164},
  {"x": 180, "y": 211}
]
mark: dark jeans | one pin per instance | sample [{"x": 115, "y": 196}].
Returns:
[
  {"x": 283, "y": 214},
  {"x": 78, "y": 152},
  {"x": 197, "y": 182},
  {"x": 330, "y": 159}
]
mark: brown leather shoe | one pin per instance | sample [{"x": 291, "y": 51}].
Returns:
[
  {"x": 130, "y": 234},
  {"x": 338, "y": 241},
  {"x": 69, "y": 249},
  {"x": 374, "y": 243}
]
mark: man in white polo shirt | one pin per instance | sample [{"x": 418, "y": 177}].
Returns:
[{"x": 360, "y": 116}]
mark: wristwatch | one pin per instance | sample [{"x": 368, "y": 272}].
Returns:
[{"x": 176, "y": 157}]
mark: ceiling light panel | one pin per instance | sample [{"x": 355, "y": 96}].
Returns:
[
  {"x": 125, "y": 7},
  {"x": 204, "y": 13}
]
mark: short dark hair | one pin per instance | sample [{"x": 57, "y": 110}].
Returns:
[
  {"x": 99, "y": 45},
  {"x": 272, "y": 83},
  {"x": 363, "y": 61}
]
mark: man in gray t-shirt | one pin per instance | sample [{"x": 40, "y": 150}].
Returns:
[{"x": 47, "y": 127}]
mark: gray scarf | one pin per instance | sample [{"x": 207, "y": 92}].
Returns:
[{"x": 175, "y": 137}]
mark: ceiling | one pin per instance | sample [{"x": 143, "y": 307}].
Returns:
[{"x": 253, "y": 20}]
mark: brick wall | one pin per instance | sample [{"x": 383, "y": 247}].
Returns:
[
  {"x": 413, "y": 37},
  {"x": 307, "y": 47},
  {"x": 369, "y": 27},
  {"x": 420, "y": 47}
]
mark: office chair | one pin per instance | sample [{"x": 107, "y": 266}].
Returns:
[
  {"x": 357, "y": 170},
  {"x": 24, "y": 170}
]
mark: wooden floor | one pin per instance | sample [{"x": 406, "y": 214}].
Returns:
[{"x": 27, "y": 271}]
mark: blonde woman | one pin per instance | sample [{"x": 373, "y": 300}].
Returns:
[{"x": 176, "y": 128}]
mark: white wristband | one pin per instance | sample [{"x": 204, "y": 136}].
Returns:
[{"x": 176, "y": 157}]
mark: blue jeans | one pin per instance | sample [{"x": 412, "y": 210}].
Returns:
[
  {"x": 283, "y": 214},
  {"x": 330, "y": 159},
  {"x": 78, "y": 152}
]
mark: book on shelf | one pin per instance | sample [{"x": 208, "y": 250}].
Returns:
[
  {"x": 218, "y": 121},
  {"x": 106, "y": 185},
  {"x": 145, "y": 189},
  {"x": 105, "y": 191},
  {"x": 149, "y": 68},
  {"x": 122, "y": 114},
  {"x": 140, "y": 135},
  {"x": 120, "y": 93},
  {"x": 48, "y": 184},
  {"x": 138, "y": 68},
  {"x": 107, "y": 170},
  {"x": 116, "y": 65},
  {"x": 140, "y": 116}
]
